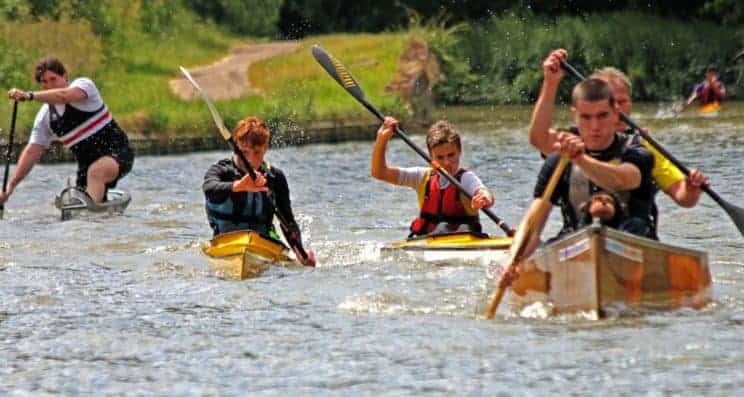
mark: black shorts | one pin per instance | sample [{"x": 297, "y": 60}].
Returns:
[{"x": 110, "y": 142}]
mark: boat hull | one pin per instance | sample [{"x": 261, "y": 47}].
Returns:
[
  {"x": 244, "y": 254},
  {"x": 73, "y": 200},
  {"x": 598, "y": 268},
  {"x": 451, "y": 247},
  {"x": 712, "y": 109}
]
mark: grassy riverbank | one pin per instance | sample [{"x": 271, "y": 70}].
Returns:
[
  {"x": 295, "y": 85},
  {"x": 131, "y": 67},
  {"x": 135, "y": 79},
  {"x": 133, "y": 49}
]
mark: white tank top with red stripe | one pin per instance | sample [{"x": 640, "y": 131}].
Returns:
[{"x": 42, "y": 132}]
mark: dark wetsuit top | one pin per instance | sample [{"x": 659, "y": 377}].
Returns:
[
  {"x": 217, "y": 188},
  {"x": 640, "y": 200}
]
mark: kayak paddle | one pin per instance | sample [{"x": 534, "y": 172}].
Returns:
[
  {"x": 739, "y": 55},
  {"x": 342, "y": 75},
  {"x": 524, "y": 234},
  {"x": 9, "y": 153},
  {"x": 229, "y": 139},
  {"x": 735, "y": 213}
]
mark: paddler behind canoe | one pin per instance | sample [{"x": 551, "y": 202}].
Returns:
[
  {"x": 74, "y": 113},
  {"x": 442, "y": 208},
  {"x": 234, "y": 201}
]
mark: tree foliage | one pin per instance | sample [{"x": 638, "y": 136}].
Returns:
[
  {"x": 499, "y": 61},
  {"x": 299, "y": 18},
  {"x": 253, "y": 17}
]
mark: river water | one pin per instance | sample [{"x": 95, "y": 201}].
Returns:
[{"x": 125, "y": 305}]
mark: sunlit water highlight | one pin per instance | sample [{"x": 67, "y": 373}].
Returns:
[{"x": 126, "y": 305}]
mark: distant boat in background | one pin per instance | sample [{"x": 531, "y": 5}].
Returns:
[{"x": 711, "y": 109}]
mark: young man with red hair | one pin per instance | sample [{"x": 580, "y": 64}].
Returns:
[{"x": 234, "y": 201}]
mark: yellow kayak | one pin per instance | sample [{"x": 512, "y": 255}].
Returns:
[
  {"x": 452, "y": 247},
  {"x": 244, "y": 254},
  {"x": 710, "y": 109}
]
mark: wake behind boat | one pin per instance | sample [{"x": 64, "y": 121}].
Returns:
[
  {"x": 598, "y": 267},
  {"x": 452, "y": 247},
  {"x": 74, "y": 200},
  {"x": 245, "y": 254}
]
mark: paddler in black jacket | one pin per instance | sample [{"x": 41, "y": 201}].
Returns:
[{"x": 234, "y": 201}]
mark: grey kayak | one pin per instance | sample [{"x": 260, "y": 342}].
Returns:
[{"x": 72, "y": 200}]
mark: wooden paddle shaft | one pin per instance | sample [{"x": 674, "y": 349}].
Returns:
[{"x": 524, "y": 233}]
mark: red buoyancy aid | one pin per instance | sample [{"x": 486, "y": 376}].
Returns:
[
  {"x": 446, "y": 205},
  {"x": 709, "y": 95}
]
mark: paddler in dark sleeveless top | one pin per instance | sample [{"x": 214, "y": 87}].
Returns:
[
  {"x": 602, "y": 160},
  {"x": 442, "y": 207},
  {"x": 684, "y": 190},
  {"x": 73, "y": 113},
  {"x": 234, "y": 201}
]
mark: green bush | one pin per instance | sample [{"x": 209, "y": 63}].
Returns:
[
  {"x": 499, "y": 61},
  {"x": 13, "y": 65},
  {"x": 255, "y": 17}
]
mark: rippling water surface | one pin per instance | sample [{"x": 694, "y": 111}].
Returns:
[{"x": 126, "y": 304}]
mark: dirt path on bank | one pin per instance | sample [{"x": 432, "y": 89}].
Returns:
[{"x": 228, "y": 77}]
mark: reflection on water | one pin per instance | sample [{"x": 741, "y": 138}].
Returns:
[{"x": 126, "y": 305}]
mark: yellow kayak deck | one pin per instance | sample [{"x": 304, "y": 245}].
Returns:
[
  {"x": 454, "y": 241},
  {"x": 244, "y": 254},
  {"x": 713, "y": 107},
  {"x": 465, "y": 246}
]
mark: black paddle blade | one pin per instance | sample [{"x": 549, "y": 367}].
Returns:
[
  {"x": 338, "y": 71},
  {"x": 8, "y": 154},
  {"x": 736, "y": 214}
]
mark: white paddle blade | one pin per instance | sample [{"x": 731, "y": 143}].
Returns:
[{"x": 212, "y": 109}]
